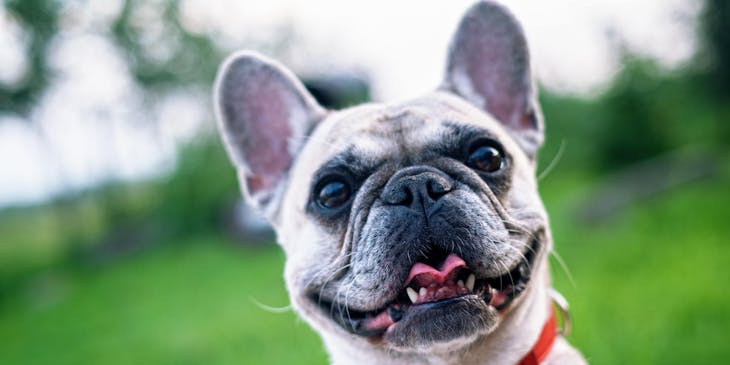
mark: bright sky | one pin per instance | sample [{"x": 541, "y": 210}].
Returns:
[
  {"x": 404, "y": 42},
  {"x": 95, "y": 133}
]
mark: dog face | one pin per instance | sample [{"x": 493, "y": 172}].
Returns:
[{"x": 406, "y": 226}]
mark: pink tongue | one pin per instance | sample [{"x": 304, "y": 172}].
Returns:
[{"x": 424, "y": 275}]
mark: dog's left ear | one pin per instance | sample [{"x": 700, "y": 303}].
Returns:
[{"x": 489, "y": 65}]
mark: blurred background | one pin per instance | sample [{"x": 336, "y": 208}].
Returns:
[{"x": 123, "y": 238}]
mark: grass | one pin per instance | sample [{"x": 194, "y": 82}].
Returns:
[
  {"x": 190, "y": 304},
  {"x": 649, "y": 288},
  {"x": 648, "y": 285}
]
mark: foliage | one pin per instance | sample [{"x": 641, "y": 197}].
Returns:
[
  {"x": 39, "y": 18},
  {"x": 715, "y": 55},
  {"x": 645, "y": 112},
  {"x": 199, "y": 195},
  {"x": 191, "y": 59}
]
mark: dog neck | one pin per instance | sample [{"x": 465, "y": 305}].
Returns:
[{"x": 515, "y": 336}]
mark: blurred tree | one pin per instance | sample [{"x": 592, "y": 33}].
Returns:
[
  {"x": 715, "y": 34},
  {"x": 629, "y": 124},
  {"x": 39, "y": 20},
  {"x": 188, "y": 61},
  {"x": 191, "y": 59}
]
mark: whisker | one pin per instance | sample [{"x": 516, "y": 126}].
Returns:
[
  {"x": 328, "y": 281},
  {"x": 562, "y": 264},
  {"x": 523, "y": 259},
  {"x": 553, "y": 162},
  {"x": 519, "y": 252},
  {"x": 317, "y": 276},
  {"x": 523, "y": 245},
  {"x": 269, "y": 308},
  {"x": 509, "y": 275},
  {"x": 347, "y": 293}
]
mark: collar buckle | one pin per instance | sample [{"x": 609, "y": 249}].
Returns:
[{"x": 561, "y": 304}]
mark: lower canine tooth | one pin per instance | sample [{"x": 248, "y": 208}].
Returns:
[
  {"x": 412, "y": 295},
  {"x": 470, "y": 282},
  {"x": 524, "y": 270},
  {"x": 422, "y": 291}
]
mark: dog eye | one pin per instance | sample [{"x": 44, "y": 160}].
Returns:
[
  {"x": 485, "y": 157},
  {"x": 333, "y": 194}
]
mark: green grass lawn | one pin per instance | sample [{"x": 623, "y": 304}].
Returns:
[
  {"x": 193, "y": 304},
  {"x": 650, "y": 285},
  {"x": 649, "y": 289}
]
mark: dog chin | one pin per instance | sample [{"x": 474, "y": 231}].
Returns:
[{"x": 444, "y": 325}]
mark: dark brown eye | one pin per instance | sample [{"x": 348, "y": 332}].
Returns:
[
  {"x": 486, "y": 158},
  {"x": 333, "y": 194}
]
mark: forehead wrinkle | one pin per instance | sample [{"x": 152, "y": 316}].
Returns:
[
  {"x": 388, "y": 133},
  {"x": 401, "y": 128},
  {"x": 395, "y": 122}
]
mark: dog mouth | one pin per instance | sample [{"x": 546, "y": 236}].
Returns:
[{"x": 431, "y": 289}]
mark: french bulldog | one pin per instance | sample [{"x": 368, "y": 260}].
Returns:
[{"x": 413, "y": 232}]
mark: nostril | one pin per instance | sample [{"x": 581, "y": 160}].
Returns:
[
  {"x": 400, "y": 195},
  {"x": 436, "y": 189},
  {"x": 405, "y": 197}
]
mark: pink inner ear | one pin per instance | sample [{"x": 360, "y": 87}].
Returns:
[
  {"x": 268, "y": 131},
  {"x": 489, "y": 65},
  {"x": 499, "y": 101},
  {"x": 494, "y": 77}
]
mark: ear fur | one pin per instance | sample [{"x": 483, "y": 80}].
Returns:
[
  {"x": 264, "y": 113},
  {"x": 489, "y": 66}
]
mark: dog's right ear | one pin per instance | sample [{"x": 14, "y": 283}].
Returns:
[{"x": 264, "y": 113}]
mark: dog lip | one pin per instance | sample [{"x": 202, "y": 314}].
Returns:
[{"x": 497, "y": 292}]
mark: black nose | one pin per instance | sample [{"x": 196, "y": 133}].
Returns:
[{"x": 417, "y": 187}]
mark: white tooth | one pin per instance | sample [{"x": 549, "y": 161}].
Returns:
[
  {"x": 422, "y": 291},
  {"x": 470, "y": 282},
  {"x": 460, "y": 283},
  {"x": 412, "y": 295}
]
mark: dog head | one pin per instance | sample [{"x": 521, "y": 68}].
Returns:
[{"x": 406, "y": 226}]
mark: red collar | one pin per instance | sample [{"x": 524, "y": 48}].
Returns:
[{"x": 544, "y": 343}]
